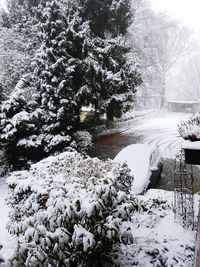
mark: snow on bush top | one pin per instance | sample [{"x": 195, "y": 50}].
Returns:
[
  {"x": 190, "y": 129},
  {"x": 68, "y": 208}
]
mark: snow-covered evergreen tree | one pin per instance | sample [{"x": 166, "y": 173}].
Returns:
[
  {"x": 14, "y": 124},
  {"x": 112, "y": 79},
  {"x": 107, "y": 17},
  {"x": 74, "y": 66},
  {"x": 52, "y": 113},
  {"x": 2, "y": 96},
  {"x": 14, "y": 60},
  {"x": 117, "y": 77}
]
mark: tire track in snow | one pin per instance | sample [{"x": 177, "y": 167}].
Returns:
[{"x": 161, "y": 131}]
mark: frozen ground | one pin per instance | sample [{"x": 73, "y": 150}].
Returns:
[{"x": 4, "y": 209}]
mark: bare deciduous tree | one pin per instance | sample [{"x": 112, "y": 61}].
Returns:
[{"x": 161, "y": 43}]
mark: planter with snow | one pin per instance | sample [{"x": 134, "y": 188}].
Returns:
[
  {"x": 192, "y": 152},
  {"x": 190, "y": 131}
]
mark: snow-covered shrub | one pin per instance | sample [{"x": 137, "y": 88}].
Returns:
[
  {"x": 4, "y": 165},
  {"x": 190, "y": 129},
  {"x": 69, "y": 210},
  {"x": 83, "y": 140}
]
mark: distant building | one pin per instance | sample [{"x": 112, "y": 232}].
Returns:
[
  {"x": 85, "y": 110},
  {"x": 183, "y": 106},
  {"x": 88, "y": 113}
]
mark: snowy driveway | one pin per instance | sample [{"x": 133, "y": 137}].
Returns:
[
  {"x": 158, "y": 128},
  {"x": 161, "y": 130}
]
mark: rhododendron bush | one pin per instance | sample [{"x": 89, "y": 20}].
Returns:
[{"x": 69, "y": 210}]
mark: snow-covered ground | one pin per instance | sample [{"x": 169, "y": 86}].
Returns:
[
  {"x": 161, "y": 130},
  {"x": 158, "y": 239},
  {"x": 4, "y": 209},
  {"x": 158, "y": 128},
  {"x": 6, "y": 241}
]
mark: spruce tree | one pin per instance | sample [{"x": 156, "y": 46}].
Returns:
[
  {"x": 107, "y": 17},
  {"x": 112, "y": 77},
  {"x": 14, "y": 125}
]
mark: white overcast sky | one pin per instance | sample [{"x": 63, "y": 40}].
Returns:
[{"x": 186, "y": 11}]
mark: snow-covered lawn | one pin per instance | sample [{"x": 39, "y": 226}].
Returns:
[{"x": 124, "y": 123}]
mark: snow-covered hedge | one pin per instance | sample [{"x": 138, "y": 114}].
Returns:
[
  {"x": 69, "y": 210},
  {"x": 190, "y": 129}
]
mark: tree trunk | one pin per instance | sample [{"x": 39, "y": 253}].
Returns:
[{"x": 162, "y": 94}]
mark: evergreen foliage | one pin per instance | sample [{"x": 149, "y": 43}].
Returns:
[
  {"x": 51, "y": 117},
  {"x": 107, "y": 17},
  {"x": 74, "y": 66},
  {"x": 112, "y": 80},
  {"x": 1, "y": 93}
]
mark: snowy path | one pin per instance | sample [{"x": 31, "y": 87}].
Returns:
[{"x": 161, "y": 130}]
